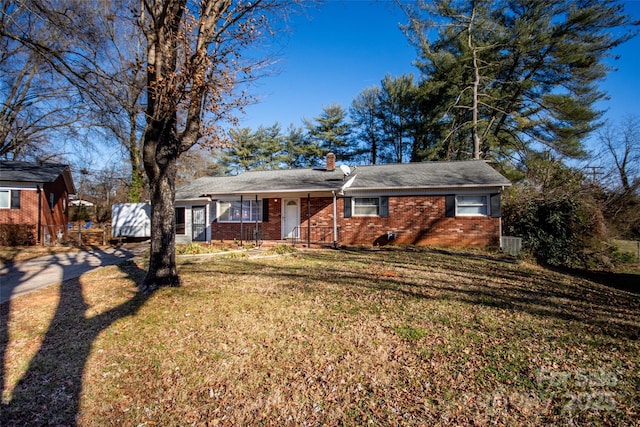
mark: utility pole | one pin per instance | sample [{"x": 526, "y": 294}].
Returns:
[{"x": 595, "y": 172}]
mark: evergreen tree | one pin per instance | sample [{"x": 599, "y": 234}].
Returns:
[
  {"x": 366, "y": 122},
  {"x": 241, "y": 154},
  {"x": 332, "y": 133},
  {"x": 268, "y": 155},
  {"x": 397, "y": 114},
  {"x": 297, "y": 151},
  {"x": 525, "y": 69}
]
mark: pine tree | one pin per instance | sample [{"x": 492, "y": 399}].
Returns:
[
  {"x": 332, "y": 133},
  {"x": 298, "y": 151},
  {"x": 269, "y": 153},
  {"x": 240, "y": 156},
  {"x": 397, "y": 113},
  {"x": 527, "y": 70},
  {"x": 366, "y": 122}
]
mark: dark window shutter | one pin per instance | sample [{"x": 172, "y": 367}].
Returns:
[
  {"x": 214, "y": 211},
  {"x": 347, "y": 207},
  {"x": 384, "y": 207},
  {"x": 15, "y": 199},
  {"x": 265, "y": 210},
  {"x": 450, "y": 203},
  {"x": 496, "y": 211}
]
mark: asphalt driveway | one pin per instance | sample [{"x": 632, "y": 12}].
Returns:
[{"x": 25, "y": 276}]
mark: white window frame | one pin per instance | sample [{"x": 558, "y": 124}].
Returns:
[
  {"x": 461, "y": 204},
  {"x": 8, "y": 199},
  {"x": 254, "y": 210},
  {"x": 354, "y": 206}
]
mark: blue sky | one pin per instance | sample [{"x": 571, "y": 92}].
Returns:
[
  {"x": 332, "y": 54},
  {"x": 344, "y": 46}
]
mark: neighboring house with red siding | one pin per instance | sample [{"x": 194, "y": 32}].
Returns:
[
  {"x": 35, "y": 197},
  {"x": 430, "y": 203}
]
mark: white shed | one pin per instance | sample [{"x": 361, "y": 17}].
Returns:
[{"x": 130, "y": 220}]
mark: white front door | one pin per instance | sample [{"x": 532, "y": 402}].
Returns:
[{"x": 290, "y": 218}]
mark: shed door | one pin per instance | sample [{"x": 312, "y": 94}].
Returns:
[{"x": 199, "y": 224}]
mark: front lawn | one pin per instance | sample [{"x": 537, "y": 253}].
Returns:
[{"x": 323, "y": 337}]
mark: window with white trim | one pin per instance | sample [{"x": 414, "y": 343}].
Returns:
[
  {"x": 366, "y": 206},
  {"x": 5, "y": 199},
  {"x": 470, "y": 205},
  {"x": 9, "y": 199},
  {"x": 233, "y": 211}
]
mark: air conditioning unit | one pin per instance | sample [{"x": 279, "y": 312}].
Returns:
[{"x": 511, "y": 245}]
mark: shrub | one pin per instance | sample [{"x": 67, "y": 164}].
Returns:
[
  {"x": 561, "y": 229},
  {"x": 190, "y": 249},
  {"x": 16, "y": 235}
]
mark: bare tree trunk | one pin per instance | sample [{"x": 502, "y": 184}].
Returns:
[
  {"x": 137, "y": 172},
  {"x": 162, "y": 260},
  {"x": 161, "y": 147},
  {"x": 476, "y": 84}
]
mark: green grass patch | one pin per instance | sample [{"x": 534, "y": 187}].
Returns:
[
  {"x": 409, "y": 333},
  {"x": 626, "y": 251}
]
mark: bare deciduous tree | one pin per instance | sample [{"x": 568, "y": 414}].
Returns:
[
  {"x": 198, "y": 55},
  {"x": 37, "y": 106},
  {"x": 620, "y": 147}
]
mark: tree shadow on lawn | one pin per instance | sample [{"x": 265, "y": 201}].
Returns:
[
  {"x": 627, "y": 282},
  {"x": 49, "y": 391},
  {"x": 601, "y": 309}
]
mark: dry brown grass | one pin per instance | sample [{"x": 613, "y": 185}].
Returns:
[
  {"x": 23, "y": 253},
  {"x": 325, "y": 338}
]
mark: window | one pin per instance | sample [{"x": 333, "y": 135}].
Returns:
[
  {"x": 233, "y": 211},
  {"x": 5, "y": 199},
  {"x": 52, "y": 200},
  {"x": 366, "y": 206},
  {"x": 472, "y": 205},
  {"x": 180, "y": 221},
  {"x": 9, "y": 199}
]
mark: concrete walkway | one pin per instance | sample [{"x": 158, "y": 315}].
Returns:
[{"x": 25, "y": 276}]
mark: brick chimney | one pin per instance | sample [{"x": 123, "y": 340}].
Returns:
[{"x": 331, "y": 162}]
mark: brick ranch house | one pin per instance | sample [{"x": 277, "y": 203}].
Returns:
[
  {"x": 34, "y": 200},
  {"x": 431, "y": 203}
]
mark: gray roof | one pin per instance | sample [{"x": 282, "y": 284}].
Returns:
[
  {"x": 34, "y": 172},
  {"x": 390, "y": 177}
]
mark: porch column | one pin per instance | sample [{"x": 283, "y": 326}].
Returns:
[
  {"x": 241, "y": 208},
  {"x": 308, "y": 220},
  {"x": 335, "y": 221}
]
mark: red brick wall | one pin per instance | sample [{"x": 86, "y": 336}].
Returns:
[
  {"x": 28, "y": 212},
  {"x": 58, "y": 217},
  {"x": 416, "y": 220}
]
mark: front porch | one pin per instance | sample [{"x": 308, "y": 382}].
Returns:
[{"x": 252, "y": 233}]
